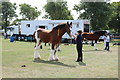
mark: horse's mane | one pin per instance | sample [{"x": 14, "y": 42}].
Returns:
[
  {"x": 98, "y": 31},
  {"x": 87, "y": 33},
  {"x": 59, "y": 26}
]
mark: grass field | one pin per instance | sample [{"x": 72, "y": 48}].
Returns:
[{"x": 97, "y": 64}]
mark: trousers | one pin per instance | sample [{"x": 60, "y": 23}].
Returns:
[
  {"x": 79, "y": 51},
  {"x": 107, "y": 46}
]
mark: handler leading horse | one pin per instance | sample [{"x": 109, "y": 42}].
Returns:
[
  {"x": 53, "y": 36},
  {"x": 93, "y": 36}
]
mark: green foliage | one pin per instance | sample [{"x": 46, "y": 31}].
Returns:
[
  {"x": 28, "y": 12},
  {"x": 0, "y": 16},
  {"x": 16, "y": 21},
  {"x": 8, "y": 13},
  {"x": 115, "y": 21},
  {"x": 99, "y": 13},
  {"x": 57, "y": 11}
]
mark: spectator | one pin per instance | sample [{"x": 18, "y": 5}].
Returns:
[{"x": 107, "y": 41}]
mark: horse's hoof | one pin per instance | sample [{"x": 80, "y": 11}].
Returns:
[
  {"x": 36, "y": 59},
  {"x": 51, "y": 59},
  {"x": 96, "y": 49},
  {"x": 40, "y": 47},
  {"x": 56, "y": 59},
  {"x": 59, "y": 50}
]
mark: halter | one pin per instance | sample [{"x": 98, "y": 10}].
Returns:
[{"x": 58, "y": 32}]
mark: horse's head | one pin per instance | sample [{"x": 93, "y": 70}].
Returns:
[
  {"x": 68, "y": 28},
  {"x": 100, "y": 33}
]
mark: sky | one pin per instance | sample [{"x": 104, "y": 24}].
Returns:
[{"x": 40, "y": 3}]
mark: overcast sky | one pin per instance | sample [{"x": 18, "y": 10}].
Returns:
[{"x": 40, "y": 3}]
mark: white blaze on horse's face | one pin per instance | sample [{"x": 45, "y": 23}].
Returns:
[
  {"x": 70, "y": 31},
  {"x": 69, "y": 28}
]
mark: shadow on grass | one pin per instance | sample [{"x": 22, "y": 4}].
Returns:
[
  {"x": 55, "y": 63},
  {"x": 91, "y": 50},
  {"x": 81, "y": 63}
]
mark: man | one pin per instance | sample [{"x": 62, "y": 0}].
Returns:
[
  {"x": 79, "y": 46},
  {"x": 107, "y": 41},
  {"x": 104, "y": 37}
]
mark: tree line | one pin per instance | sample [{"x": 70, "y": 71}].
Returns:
[{"x": 102, "y": 15}]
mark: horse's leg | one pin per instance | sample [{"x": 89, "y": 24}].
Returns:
[
  {"x": 45, "y": 44},
  {"x": 55, "y": 53},
  {"x": 51, "y": 58},
  {"x": 95, "y": 45},
  {"x": 58, "y": 48},
  {"x": 92, "y": 44},
  {"x": 36, "y": 51},
  {"x": 49, "y": 44}
]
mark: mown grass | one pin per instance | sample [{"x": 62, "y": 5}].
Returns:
[{"x": 97, "y": 64}]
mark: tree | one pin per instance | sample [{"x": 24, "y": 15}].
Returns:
[
  {"x": 16, "y": 21},
  {"x": 0, "y": 16},
  {"x": 99, "y": 13},
  {"x": 28, "y": 12},
  {"x": 57, "y": 11},
  {"x": 8, "y": 13},
  {"x": 114, "y": 23}
]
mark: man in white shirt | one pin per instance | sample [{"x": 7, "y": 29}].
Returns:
[
  {"x": 107, "y": 41},
  {"x": 104, "y": 37}
]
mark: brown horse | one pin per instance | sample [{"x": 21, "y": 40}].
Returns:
[
  {"x": 53, "y": 36},
  {"x": 93, "y": 36}
]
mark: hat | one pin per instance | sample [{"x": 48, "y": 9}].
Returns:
[{"x": 79, "y": 30}]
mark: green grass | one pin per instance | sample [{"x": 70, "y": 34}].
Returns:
[{"x": 97, "y": 64}]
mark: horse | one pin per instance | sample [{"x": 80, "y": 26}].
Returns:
[
  {"x": 54, "y": 36},
  {"x": 93, "y": 36}
]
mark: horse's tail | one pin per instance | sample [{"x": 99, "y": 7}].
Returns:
[{"x": 34, "y": 37}]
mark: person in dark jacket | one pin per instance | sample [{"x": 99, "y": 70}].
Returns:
[{"x": 79, "y": 46}]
